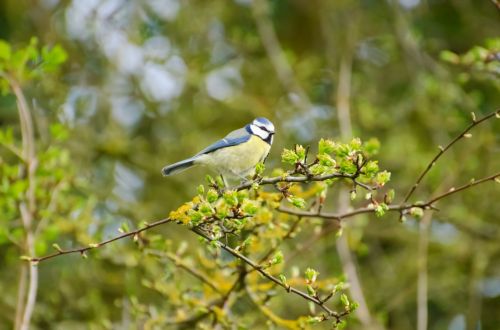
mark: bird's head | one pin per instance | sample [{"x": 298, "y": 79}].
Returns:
[{"x": 263, "y": 128}]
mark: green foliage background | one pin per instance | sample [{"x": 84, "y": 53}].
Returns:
[{"x": 147, "y": 83}]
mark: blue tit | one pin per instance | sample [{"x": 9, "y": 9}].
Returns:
[{"x": 236, "y": 155}]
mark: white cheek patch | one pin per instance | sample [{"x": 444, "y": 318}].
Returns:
[
  {"x": 268, "y": 126},
  {"x": 259, "y": 132}
]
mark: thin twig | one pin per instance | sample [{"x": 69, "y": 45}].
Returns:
[
  {"x": 443, "y": 150},
  {"x": 181, "y": 264},
  {"x": 270, "y": 277},
  {"x": 290, "y": 179},
  {"x": 82, "y": 250},
  {"x": 315, "y": 214},
  {"x": 394, "y": 208}
]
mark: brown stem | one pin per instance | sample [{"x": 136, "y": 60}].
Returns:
[
  {"x": 21, "y": 295},
  {"x": 443, "y": 150},
  {"x": 270, "y": 277},
  {"x": 27, "y": 211},
  {"x": 297, "y": 179},
  {"x": 82, "y": 250},
  {"x": 394, "y": 208},
  {"x": 181, "y": 264}
]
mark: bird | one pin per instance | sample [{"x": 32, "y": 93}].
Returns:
[{"x": 236, "y": 155}]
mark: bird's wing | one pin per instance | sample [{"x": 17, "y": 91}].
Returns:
[{"x": 234, "y": 138}]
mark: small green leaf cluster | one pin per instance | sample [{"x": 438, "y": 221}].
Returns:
[
  {"x": 55, "y": 187},
  {"x": 28, "y": 62},
  {"x": 351, "y": 159},
  {"x": 481, "y": 58}
]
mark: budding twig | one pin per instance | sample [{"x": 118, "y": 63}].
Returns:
[{"x": 442, "y": 150}]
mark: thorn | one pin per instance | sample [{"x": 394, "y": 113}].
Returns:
[
  {"x": 473, "y": 115},
  {"x": 451, "y": 189},
  {"x": 441, "y": 148},
  {"x": 467, "y": 135}
]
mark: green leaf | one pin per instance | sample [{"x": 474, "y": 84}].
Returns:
[
  {"x": 200, "y": 189},
  {"x": 381, "y": 209},
  {"x": 310, "y": 290},
  {"x": 300, "y": 151},
  {"x": 340, "y": 324},
  {"x": 210, "y": 180},
  {"x": 382, "y": 178},
  {"x": 206, "y": 209},
  {"x": 311, "y": 275},
  {"x": 250, "y": 207},
  {"x": 338, "y": 287},
  {"x": 283, "y": 279},
  {"x": 289, "y": 157},
  {"x": 347, "y": 167},
  {"x": 371, "y": 147},
  {"x": 314, "y": 319},
  {"x": 276, "y": 259},
  {"x": 417, "y": 212},
  {"x": 231, "y": 198},
  {"x": 371, "y": 168},
  {"x": 355, "y": 144},
  {"x": 53, "y": 57},
  {"x": 259, "y": 168},
  {"x": 195, "y": 216},
  {"x": 57, "y": 247},
  {"x": 5, "y": 50},
  {"x": 297, "y": 202},
  {"x": 344, "y": 300},
  {"x": 325, "y": 146},
  {"x": 450, "y": 57},
  {"x": 326, "y": 160},
  {"x": 59, "y": 132},
  {"x": 212, "y": 195}
]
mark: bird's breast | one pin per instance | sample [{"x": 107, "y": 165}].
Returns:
[{"x": 240, "y": 159}]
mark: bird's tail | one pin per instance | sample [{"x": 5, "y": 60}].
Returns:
[{"x": 178, "y": 167}]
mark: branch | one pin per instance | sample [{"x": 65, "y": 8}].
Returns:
[
  {"x": 448, "y": 146},
  {"x": 315, "y": 214},
  {"x": 181, "y": 264},
  {"x": 304, "y": 179},
  {"x": 398, "y": 208},
  {"x": 83, "y": 250},
  {"x": 258, "y": 268}
]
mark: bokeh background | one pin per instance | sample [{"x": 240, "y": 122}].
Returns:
[{"x": 150, "y": 82}]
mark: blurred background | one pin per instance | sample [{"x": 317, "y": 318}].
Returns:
[{"x": 150, "y": 82}]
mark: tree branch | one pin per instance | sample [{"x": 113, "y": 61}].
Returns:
[
  {"x": 181, "y": 264},
  {"x": 304, "y": 179},
  {"x": 83, "y": 250},
  {"x": 395, "y": 208},
  {"x": 325, "y": 215},
  {"x": 260, "y": 269},
  {"x": 448, "y": 146}
]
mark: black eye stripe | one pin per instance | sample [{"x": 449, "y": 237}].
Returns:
[{"x": 264, "y": 129}]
